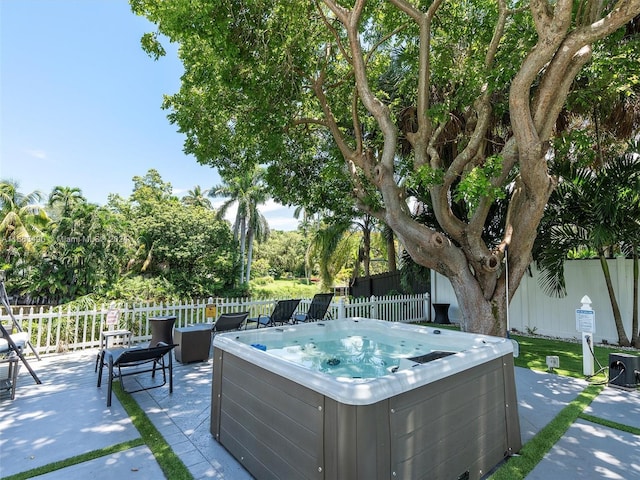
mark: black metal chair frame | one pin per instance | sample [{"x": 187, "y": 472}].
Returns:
[
  {"x": 318, "y": 309},
  {"x": 282, "y": 313},
  {"x": 135, "y": 357},
  {"x": 13, "y": 346},
  {"x": 229, "y": 321}
]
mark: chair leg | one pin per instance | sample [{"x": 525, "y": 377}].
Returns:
[
  {"x": 170, "y": 373},
  {"x": 110, "y": 384},
  {"x": 101, "y": 364}
]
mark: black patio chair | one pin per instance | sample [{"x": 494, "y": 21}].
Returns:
[
  {"x": 138, "y": 360},
  {"x": 317, "y": 310},
  {"x": 229, "y": 321},
  {"x": 282, "y": 313}
]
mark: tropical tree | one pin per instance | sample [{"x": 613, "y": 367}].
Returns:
[
  {"x": 186, "y": 246},
  {"x": 597, "y": 209},
  {"x": 455, "y": 99},
  {"x": 342, "y": 241},
  {"x": 197, "y": 198},
  {"x": 22, "y": 222},
  {"x": 150, "y": 190},
  {"x": 246, "y": 188},
  {"x": 85, "y": 253},
  {"x": 283, "y": 253},
  {"x": 66, "y": 199}
]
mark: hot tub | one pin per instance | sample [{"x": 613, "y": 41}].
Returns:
[{"x": 440, "y": 404}]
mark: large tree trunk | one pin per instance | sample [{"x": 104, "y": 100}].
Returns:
[
  {"x": 243, "y": 248},
  {"x": 391, "y": 252},
  {"x": 250, "y": 253}
]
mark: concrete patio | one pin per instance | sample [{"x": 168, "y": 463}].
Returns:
[{"x": 67, "y": 415}]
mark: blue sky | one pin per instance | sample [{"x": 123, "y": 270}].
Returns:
[{"x": 80, "y": 103}]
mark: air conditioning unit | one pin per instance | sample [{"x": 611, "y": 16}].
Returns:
[{"x": 624, "y": 370}]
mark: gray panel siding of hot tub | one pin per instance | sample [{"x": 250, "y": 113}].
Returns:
[
  {"x": 271, "y": 425},
  {"x": 460, "y": 423},
  {"x": 356, "y": 441},
  {"x": 441, "y": 430}
]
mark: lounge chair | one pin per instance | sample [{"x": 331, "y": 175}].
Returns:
[
  {"x": 282, "y": 313},
  {"x": 317, "y": 310},
  {"x": 229, "y": 321},
  {"x": 134, "y": 358}
]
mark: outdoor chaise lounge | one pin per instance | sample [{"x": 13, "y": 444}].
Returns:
[
  {"x": 137, "y": 360},
  {"x": 317, "y": 310},
  {"x": 229, "y": 321},
  {"x": 282, "y": 313}
]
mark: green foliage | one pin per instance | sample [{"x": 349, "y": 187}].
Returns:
[
  {"x": 283, "y": 253},
  {"x": 85, "y": 252},
  {"x": 478, "y": 183},
  {"x": 593, "y": 209},
  {"x": 188, "y": 247},
  {"x": 134, "y": 289},
  {"x": 150, "y": 247},
  {"x": 259, "y": 268},
  {"x": 425, "y": 177}
]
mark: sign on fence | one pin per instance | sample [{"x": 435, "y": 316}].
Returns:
[
  {"x": 210, "y": 311},
  {"x": 113, "y": 315}
]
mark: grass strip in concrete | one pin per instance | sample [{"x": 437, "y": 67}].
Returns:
[
  {"x": 519, "y": 466},
  {"x": 172, "y": 466}
]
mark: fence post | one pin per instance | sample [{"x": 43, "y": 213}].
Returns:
[
  {"x": 341, "y": 308},
  {"x": 427, "y": 306},
  {"x": 374, "y": 306}
]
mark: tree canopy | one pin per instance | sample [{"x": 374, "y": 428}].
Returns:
[{"x": 450, "y": 106}]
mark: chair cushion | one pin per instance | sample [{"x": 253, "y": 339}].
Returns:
[{"x": 19, "y": 338}]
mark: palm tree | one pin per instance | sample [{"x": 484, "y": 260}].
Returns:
[
  {"x": 197, "y": 198},
  {"x": 334, "y": 244},
  {"x": 248, "y": 190},
  {"x": 597, "y": 209},
  {"x": 67, "y": 198},
  {"x": 21, "y": 217}
]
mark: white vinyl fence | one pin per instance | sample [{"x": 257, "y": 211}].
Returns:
[
  {"x": 54, "y": 330},
  {"x": 534, "y": 311}
]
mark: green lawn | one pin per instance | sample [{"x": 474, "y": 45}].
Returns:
[
  {"x": 534, "y": 350},
  {"x": 296, "y": 288}
]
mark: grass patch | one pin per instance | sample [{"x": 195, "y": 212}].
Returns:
[
  {"x": 610, "y": 424},
  {"x": 283, "y": 289},
  {"x": 69, "y": 462},
  {"x": 534, "y": 350},
  {"x": 520, "y": 466},
  {"x": 169, "y": 462}
]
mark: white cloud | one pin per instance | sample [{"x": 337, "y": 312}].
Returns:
[
  {"x": 278, "y": 216},
  {"x": 39, "y": 154}
]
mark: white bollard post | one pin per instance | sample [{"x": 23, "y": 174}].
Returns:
[{"x": 586, "y": 323}]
